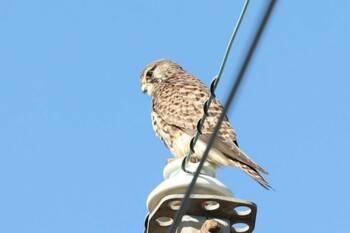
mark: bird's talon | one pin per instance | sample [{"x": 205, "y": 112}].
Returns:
[
  {"x": 171, "y": 160},
  {"x": 194, "y": 160}
]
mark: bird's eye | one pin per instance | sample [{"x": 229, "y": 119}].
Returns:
[{"x": 149, "y": 73}]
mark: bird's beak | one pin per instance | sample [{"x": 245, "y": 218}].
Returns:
[{"x": 144, "y": 89}]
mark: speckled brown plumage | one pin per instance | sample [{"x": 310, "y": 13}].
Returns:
[{"x": 177, "y": 105}]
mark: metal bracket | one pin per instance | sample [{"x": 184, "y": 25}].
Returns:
[{"x": 239, "y": 213}]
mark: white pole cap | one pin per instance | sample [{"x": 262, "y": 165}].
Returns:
[{"x": 177, "y": 181}]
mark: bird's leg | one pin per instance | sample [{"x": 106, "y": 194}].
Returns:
[
  {"x": 192, "y": 160},
  {"x": 171, "y": 160}
]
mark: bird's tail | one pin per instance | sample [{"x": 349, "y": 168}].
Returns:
[{"x": 255, "y": 175}]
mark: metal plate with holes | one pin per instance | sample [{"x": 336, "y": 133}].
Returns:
[{"x": 240, "y": 213}]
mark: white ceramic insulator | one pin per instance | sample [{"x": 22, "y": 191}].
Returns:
[{"x": 177, "y": 181}]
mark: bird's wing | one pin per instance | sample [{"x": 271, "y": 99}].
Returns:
[{"x": 179, "y": 102}]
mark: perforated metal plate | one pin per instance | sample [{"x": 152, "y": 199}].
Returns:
[{"x": 240, "y": 213}]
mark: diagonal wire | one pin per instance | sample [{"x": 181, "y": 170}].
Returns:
[
  {"x": 186, "y": 200},
  {"x": 213, "y": 85}
]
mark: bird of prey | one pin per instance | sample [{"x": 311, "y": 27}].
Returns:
[{"x": 177, "y": 105}]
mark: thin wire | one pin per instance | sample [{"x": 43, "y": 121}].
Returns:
[
  {"x": 185, "y": 202},
  {"x": 213, "y": 85}
]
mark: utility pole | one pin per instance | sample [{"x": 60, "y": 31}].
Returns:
[{"x": 212, "y": 208}]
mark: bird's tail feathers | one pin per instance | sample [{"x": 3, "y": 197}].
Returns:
[
  {"x": 251, "y": 163},
  {"x": 252, "y": 172}
]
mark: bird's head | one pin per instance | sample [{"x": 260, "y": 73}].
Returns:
[{"x": 157, "y": 72}]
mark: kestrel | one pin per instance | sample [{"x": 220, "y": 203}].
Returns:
[{"x": 177, "y": 105}]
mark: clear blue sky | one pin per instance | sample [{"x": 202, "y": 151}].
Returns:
[{"x": 77, "y": 150}]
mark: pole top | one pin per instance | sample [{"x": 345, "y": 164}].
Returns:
[{"x": 176, "y": 182}]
